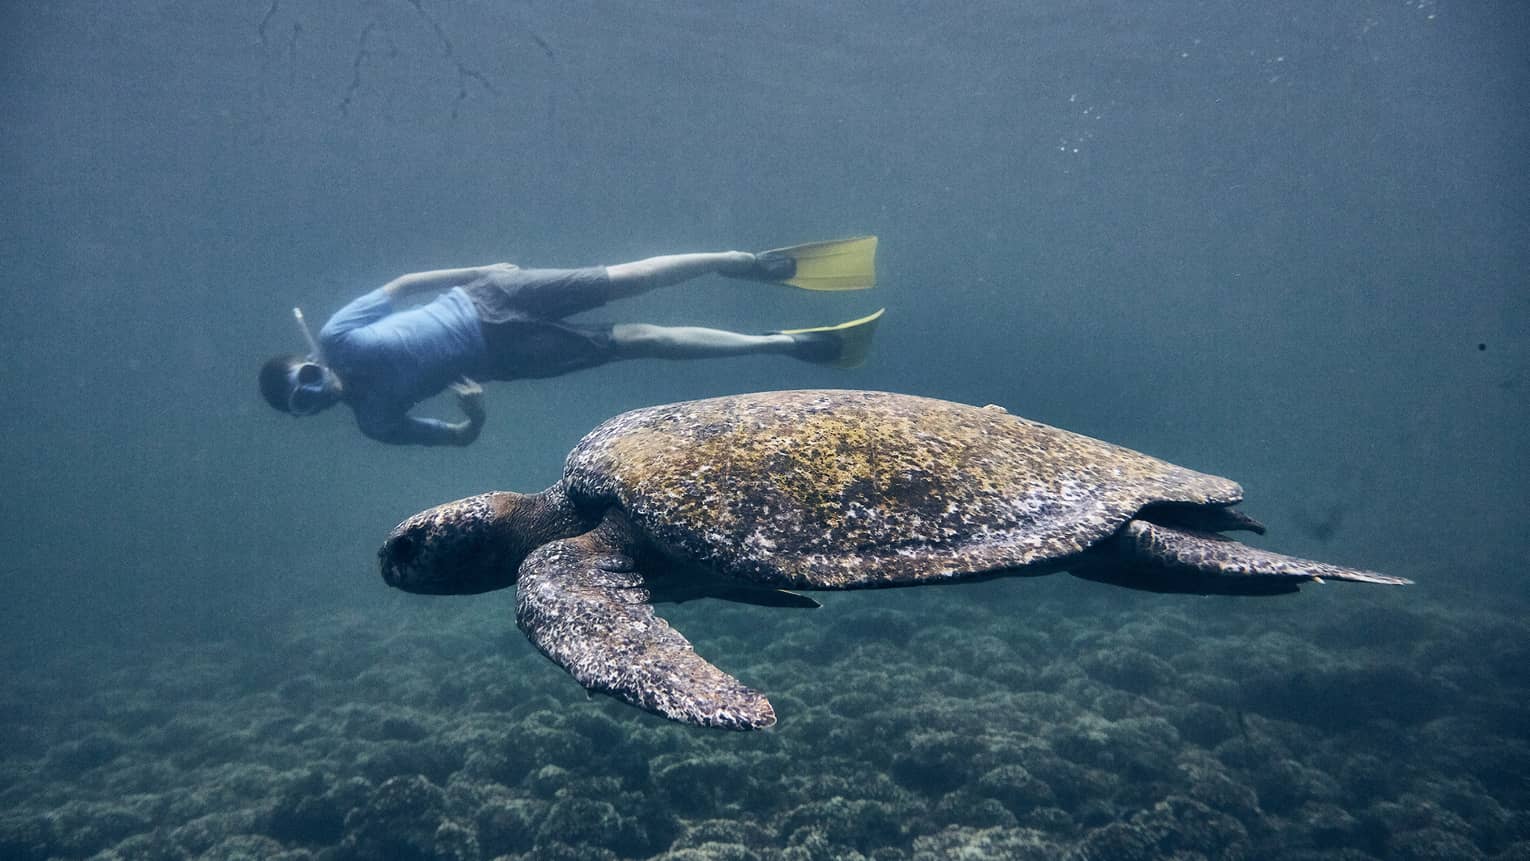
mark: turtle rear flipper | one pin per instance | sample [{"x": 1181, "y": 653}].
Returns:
[
  {"x": 583, "y": 605},
  {"x": 1157, "y": 558}
]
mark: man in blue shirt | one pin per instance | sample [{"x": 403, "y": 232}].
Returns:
[{"x": 502, "y": 322}]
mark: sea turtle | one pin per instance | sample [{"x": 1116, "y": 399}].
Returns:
[{"x": 744, "y": 497}]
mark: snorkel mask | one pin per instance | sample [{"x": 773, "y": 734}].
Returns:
[{"x": 310, "y": 379}]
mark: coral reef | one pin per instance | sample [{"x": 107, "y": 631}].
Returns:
[{"x": 914, "y": 725}]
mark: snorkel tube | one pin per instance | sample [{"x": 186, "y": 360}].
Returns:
[
  {"x": 313, "y": 386},
  {"x": 314, "y": 352}
]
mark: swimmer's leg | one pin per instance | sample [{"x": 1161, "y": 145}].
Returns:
[
  {"x": 640, "y": 276},
  {"x": 646, "y": 341}
]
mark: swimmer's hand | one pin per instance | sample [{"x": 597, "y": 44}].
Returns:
[
  {"x": 470, "y": 398},
  {"x": 470, "y": 401}
]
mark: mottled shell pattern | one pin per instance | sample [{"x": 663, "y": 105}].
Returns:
[{"x": 854, "y": 489}]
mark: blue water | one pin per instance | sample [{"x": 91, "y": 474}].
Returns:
[{"x": 1283, "y": 242}]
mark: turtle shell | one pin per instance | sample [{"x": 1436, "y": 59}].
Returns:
[{"x": 855, "y": 489}]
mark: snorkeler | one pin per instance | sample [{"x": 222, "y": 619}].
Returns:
[{"x": 501, "y": 322}]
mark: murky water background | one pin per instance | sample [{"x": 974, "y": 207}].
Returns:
[{"x": 1286, "y": 244}]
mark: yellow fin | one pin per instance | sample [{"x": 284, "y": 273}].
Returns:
[
  {"x": 839, "y": 264},
  {"x": 854, "y": 337}
]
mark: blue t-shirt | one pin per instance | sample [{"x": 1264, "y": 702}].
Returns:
[{"x": 391, "y": 360}]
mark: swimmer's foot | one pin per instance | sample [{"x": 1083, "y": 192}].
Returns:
[
  {"x": 820, "y": 348},
  {"x": 845, "y": 346},
  {"x": 773, "y": 266},
  {"x": 765, "y": 266},
  {"x": 841, "y": 264}
]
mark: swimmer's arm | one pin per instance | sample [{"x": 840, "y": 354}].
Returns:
[
  {"x": 438, "y": 279},
  {"x": 413, "y": 430},
  {"x": 418, "y": 431}
]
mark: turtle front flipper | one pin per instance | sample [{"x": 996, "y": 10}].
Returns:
[
  {"x": 584, "y": 605},
  {"x": 1157, "y": 558}
]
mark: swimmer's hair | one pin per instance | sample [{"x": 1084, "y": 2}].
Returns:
[{"x": 275, "y": 385}]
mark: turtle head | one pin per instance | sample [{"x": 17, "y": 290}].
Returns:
[
  {"x": 476, "y": 544},
  {"x": 460, "y": 548}
]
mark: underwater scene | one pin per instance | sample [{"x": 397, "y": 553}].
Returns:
[{"x": 1195, "y": 526}]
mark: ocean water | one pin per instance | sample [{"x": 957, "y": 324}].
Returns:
[{"x": 1285, "y": 242}]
